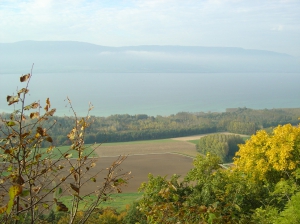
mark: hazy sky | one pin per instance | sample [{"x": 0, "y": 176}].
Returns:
[{"x": 253, "y": 24}]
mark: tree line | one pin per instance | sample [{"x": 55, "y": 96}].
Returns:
[{"x": 125, "y": 127}]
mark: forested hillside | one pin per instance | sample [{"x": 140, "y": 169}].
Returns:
[
  {"x": 119, "y": 128},
  {"x": 80, "y": 57}
]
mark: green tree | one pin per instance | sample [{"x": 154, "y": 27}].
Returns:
[
  {"x": 225, "y": 146},
  {"x": 262, "y": 187}
]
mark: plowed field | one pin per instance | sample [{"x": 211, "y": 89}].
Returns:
[
  {"x": 157, "y": 157},
  {"x": 147, "y": 147},
  {"x": 157, "y": 164}
]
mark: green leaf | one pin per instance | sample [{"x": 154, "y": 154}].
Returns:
[
  {"x": 59, "y": 190},
  {"x": 10, "y": 123},
  {"x": 211, "y": 218},
  {"x": 119, "y": 181},
  {"x": 25, "y": 193}
]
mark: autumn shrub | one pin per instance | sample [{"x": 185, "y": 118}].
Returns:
[
  {"x": 32, "y": 179},
  {"x": 261, "y": 187}
]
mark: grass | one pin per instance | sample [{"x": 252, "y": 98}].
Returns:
[
  {"x": 246, "y": 138},
  {"x": 62, "y": 150},
  {"x": 57, "y": 151},
  {"x": 194, "y": 141},
  {"x": 117, "y": 201}
]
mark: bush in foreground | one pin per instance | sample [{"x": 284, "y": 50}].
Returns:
[{"x": 33, "y": 179}]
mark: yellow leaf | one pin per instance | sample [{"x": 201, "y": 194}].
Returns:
[
  {"x": 68, "y": 156},
  {"x": 50, "y": 149},
  {"x": 3, "y": 209},
  {"x": 23, "y": 90},
  {"x": 14, "y": 191},
  {"x": 31, "y": 106},
  {"x": 51, "y": 112},
  {"x": 48, "y": 105},
  {"x": 10, "y": 123},
  {"x": 48, "y": 101},
  {"x": 71, "y": 135}
]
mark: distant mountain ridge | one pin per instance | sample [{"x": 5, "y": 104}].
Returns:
[{"x": 71, "y": 56}]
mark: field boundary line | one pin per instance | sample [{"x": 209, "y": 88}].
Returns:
[{"x": 154, "y": 153}]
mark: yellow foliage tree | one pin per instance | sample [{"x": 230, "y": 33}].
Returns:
[{"x": 265, "y": 156}]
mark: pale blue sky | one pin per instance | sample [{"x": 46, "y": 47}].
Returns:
[{"x": 257, "y": 24}]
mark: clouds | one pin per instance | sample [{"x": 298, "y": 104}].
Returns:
[{"x": 239, "y": 23}]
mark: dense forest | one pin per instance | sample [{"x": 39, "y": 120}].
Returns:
[
  {"x": 121, "y": 128},
  {"x": 224, "y": 146}
]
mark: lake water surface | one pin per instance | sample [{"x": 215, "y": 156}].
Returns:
[{"x": 157, "y": 93}]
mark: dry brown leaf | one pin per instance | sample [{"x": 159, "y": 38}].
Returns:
[{"x": 24, "y": 77}]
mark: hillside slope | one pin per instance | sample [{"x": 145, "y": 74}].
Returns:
[{"x": 69, "y": 56}]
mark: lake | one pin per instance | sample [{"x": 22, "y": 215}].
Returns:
[{"x": 157, "y": 93}]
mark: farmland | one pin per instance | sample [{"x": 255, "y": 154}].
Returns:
[
  {"x": 158, "y": 157},
  {"x": 161, "y": 157}
]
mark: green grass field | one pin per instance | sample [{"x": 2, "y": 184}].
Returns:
[
  {"x": 117, "y": 201},
  {"x": 62, "y": 150},
  {"x": 246, "y": 138},
  {"x": 194, "y": 141}
]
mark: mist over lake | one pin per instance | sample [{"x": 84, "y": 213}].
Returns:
[
  {"x": 150, "y": 79},
  {"x": 157, "y": 93}
]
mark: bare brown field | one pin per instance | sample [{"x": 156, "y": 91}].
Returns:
[
  {"x": 163, "y": 158},
  {"x": 180, "y": 147},
  {"x": 158, "y": 158},
  {"x": 141, "y": 165}
]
